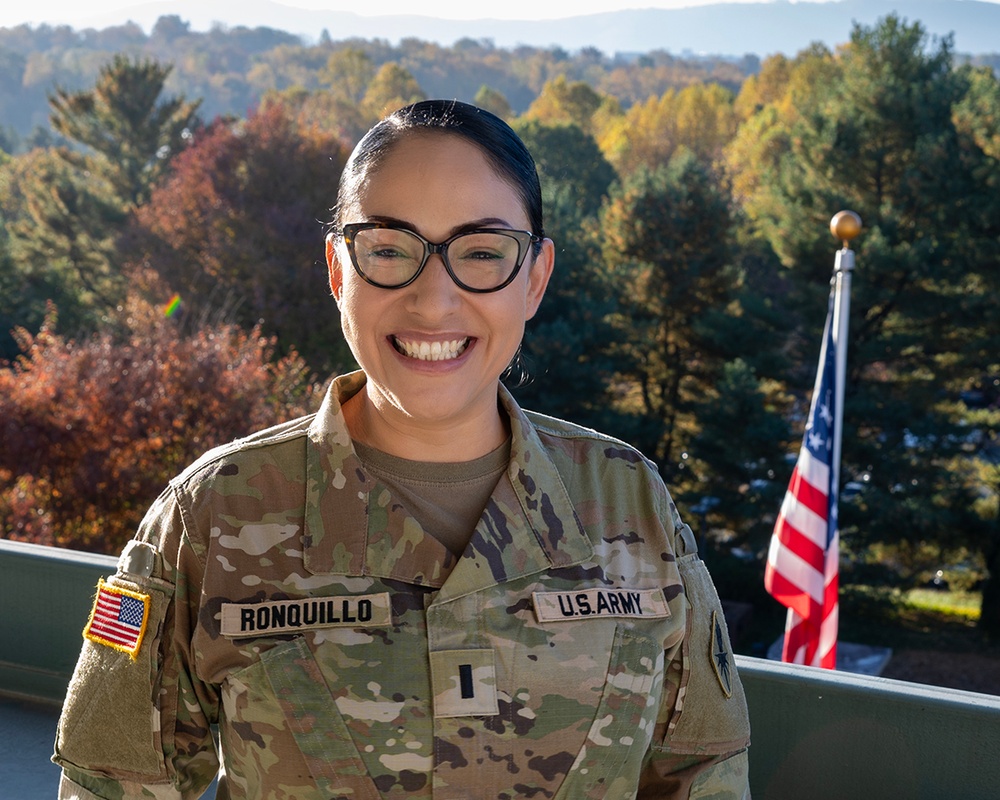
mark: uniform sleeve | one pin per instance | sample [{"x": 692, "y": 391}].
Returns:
[
  {"x": 136, "y": 722},
  {"x": 700, "y": 742}
]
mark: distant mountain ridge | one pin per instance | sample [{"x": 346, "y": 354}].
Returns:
[{"x": 724, "y": 28}]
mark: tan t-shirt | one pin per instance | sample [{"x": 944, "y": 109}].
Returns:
[{"x": 447, "y": 499}]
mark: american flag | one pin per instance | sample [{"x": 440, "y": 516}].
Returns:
[
  {"x": 802, "y": 562},
  {"x": 118, "y": 619}
]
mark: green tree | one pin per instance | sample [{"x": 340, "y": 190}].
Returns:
[
  {"x": 568, "y": 162},
  {"x": 569, "y": 366},
  {"x": 65, "y": 208},
  {"x": 493, "y": 101},
  {"x": 59, "y": 245},
  {"x": 897, "y": 133},
  {"x": 124, "y": 121},
  {"x": 668, "y": 242},
  {"x": 740, "y": 451}
]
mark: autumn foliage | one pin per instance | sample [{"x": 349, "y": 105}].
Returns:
[
  {"x": 238, "y": 226},
  {"x": 92, "y": 430}
]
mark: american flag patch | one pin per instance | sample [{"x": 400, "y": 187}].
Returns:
[{"x": 118, "y": 619}]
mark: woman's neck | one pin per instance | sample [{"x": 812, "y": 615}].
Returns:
[{"x": 391, "y": 432}]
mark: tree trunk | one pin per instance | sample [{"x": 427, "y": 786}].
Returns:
[{"x": 989, "y": 613}]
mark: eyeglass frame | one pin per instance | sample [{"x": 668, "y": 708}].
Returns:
[{"x": 525, "y": 240}]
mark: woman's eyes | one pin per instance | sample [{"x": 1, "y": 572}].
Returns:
[
  {"x": 480, "y": 255},
  {"x": 389, "y": 252}
]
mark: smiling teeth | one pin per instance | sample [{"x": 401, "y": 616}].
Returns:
[{"x": 432, "y": 351}]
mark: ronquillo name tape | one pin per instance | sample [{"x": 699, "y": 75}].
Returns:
[{"x": 289, "y": 616}]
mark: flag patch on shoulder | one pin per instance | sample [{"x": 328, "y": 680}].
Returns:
[{"x": 118, "y": 618}]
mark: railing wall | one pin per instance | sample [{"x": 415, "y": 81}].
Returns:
[{"x": 816, "y": 734}]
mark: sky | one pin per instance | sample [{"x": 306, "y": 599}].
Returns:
[
  {"x": 203, "y": 14},
  {"x": 33, "y": 12}
]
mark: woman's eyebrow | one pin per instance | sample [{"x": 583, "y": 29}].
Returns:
[{"x": 485, "y": 222}]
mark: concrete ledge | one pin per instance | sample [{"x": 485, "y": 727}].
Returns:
[
  {"x": 820, "y": 734},
  {"x": 46, "y": 595}
]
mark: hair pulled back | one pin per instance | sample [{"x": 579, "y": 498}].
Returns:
[{"x": 503, "y": 149}]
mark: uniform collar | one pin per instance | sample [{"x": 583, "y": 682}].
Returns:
[{"x": 352, "y": 527}]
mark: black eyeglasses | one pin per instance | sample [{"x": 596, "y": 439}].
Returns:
[{"x": 481, "y": 260}]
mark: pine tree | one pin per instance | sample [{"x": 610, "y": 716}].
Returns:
[
  {"x": 566, "y": 353},
  {"x": 124, "y": 121},
  {"x": 668, "y": 243}
]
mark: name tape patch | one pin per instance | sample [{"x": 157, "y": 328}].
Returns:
[
  {"x": 566, "y": 606},
  {"x": 286, "y": 616}
]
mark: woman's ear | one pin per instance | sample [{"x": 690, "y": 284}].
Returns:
[
  {"x": 538, "y": 276},
  {"x": 333, "y": 267}
]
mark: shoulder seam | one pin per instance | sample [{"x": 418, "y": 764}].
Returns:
[
  {"x": 570, "y": 430},
  {"x": 243, "y": 444}
]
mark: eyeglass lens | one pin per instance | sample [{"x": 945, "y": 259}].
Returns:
[{"x": 479, "y": 260}]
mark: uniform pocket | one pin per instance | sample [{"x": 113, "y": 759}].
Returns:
[
  {"x": 710, "y": 712},
  {"x": 609, "y": 761},
  {"x": 312, "y": 717},
  {"x": 110, "y": 721}
]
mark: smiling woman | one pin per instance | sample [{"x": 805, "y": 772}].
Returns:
[
  {"x": 405, "y": 303},
  {"x": 422, "y": 591}
]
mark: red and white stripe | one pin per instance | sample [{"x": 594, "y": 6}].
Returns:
[
  {"x": 802, "y": 570},
  {"x": 106, "y": 625}
]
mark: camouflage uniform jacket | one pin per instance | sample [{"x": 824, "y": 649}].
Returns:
[{"x": 575, "y": 650}]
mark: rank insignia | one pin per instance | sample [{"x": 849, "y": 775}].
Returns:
[
  {"x": 722, "y": 657},
  {"x": 118, "y": 619}
]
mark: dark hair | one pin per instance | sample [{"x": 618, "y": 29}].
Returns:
[{"x": 502, "y": 148}]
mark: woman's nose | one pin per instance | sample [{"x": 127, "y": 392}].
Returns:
[{"x": 434, "y": 292}]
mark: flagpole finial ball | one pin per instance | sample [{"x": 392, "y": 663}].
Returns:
[{"x": 845, "y": 225}]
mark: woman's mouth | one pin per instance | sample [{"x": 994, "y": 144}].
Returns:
[{"x": 431, "y": 351}]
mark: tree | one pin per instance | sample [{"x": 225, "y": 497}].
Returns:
[
  {"x": 91, "y": 431},
  {"x": 65, "y": 208},
  {"x": 668, "y": 244},
  {"x": 569, "y": 369},
  {"x": 60, "y": 245},
  {"x": 562, "y": 102},
  {"x": 392, "y": 87},
  {"x": 237, "y": 227},
  {"x": 124, "y": 121},
  {"x": 740, "y": 451},
  {"x": 348, "y": 73},
  {"x": 699, "y": 118},
  {"x": 568, "y": 161},
  {"x": 899, "y": 135},
  {"x": 493, "y": 101}
]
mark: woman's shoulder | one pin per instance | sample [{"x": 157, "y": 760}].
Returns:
[
  {"x": 265, "y": 446},
  {"x": 586, "y": 443}
]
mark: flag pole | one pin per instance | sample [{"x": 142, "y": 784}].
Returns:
[
  {"x": 845, "y": 225},
  {"x": 802, "y": 569}
]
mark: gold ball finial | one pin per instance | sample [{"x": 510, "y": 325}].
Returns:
[{"x": 845, "y": 225}]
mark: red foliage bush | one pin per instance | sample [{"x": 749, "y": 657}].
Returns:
[{"x": 91, "y": 431}]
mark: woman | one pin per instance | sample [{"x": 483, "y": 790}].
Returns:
[{"x": 422, "y": 591}]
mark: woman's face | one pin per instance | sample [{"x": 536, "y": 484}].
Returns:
[{"x": 435, "y": 184}]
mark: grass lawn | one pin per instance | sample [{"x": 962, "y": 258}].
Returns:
[
  {"x": 916, "y": 619},
  {"x": 920, "y": 619}
]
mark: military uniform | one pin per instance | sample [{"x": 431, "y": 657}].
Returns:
[{"x": 576, "y": 649}]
